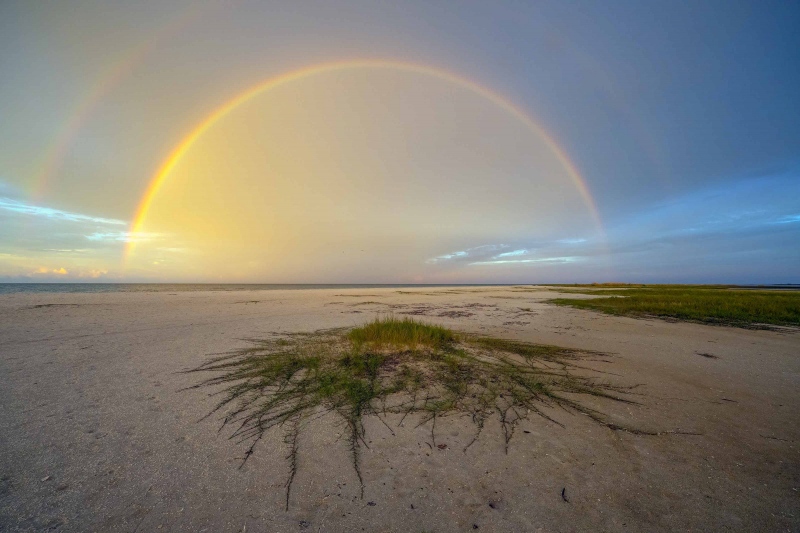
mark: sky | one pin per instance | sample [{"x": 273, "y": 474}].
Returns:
[{"x": 400, "y": 142}]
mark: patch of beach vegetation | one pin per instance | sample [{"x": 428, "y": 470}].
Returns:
[
  {"x": 718, "y": 304},
  {"x": 398, "y": 366}
]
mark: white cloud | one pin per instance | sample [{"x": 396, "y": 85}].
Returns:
[
  {"x": 512, "y": 254},
  {"x": 789, "y": 219},
  {"x": 34, "y": 210},
  {"x": 477, "y": 250},
  {"x": 527, "y": 261},
  {"x": 123, "y": 236}
]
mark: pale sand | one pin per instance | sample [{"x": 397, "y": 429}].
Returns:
[{"x": 96, "y": 436}]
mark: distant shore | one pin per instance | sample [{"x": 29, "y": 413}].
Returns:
[
  {"x": 89, "y": 287},
  {"x": 78, "y": 287}
]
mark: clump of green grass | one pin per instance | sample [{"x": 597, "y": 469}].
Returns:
[
  {"x": 402, "y": 367},
  {"x": 741, "y": 308},
  {"x": 392, "y": 332}
]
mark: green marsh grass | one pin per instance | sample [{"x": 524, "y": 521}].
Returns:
[{"x": 710, "y": 305}]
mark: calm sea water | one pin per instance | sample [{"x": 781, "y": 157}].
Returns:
[{"x": 9, "y": 288}]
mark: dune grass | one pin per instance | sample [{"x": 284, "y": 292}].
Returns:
[
  {"x": 390, "y": 332},
  {"x": 404, "y": 367},
  {"x": 741, "y": 308}
]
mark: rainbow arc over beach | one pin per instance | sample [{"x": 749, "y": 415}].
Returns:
[{"x": 183, "y": 148}]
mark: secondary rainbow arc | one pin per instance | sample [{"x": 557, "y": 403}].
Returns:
[
  {"x": 106, "y": 82},
  {"x": 177, "y": 154}
]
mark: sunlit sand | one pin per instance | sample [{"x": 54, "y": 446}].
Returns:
[{"x": 102, "y": 429}]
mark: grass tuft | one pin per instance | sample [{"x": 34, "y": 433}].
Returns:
[
  {"x": 402, "y": 367},
  {"x": 391, "y": 332}
]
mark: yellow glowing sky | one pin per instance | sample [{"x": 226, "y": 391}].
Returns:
[{"x": 394, "y": 166}]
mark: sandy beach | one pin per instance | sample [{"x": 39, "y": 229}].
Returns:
[{"x": 98, "y": 434}]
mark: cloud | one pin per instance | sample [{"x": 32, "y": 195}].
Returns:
[
  {"x": 123, "y": 236},
  {"x": 788, "y": 219},
  {"x": 513, "y": 254},
  {"x": 528, "y": 261},
  {"x": 16, "y": 206},
  {"x": 726, "y": 212},
  {"x": 469, "y": 252},
  {"x": 44, "y": 270},
  {"x": 528, "y": 253},
  {"x": 17, "y": 271},
  {"x": 745, "y": 230},
  {"x": 39, "y": 243}
]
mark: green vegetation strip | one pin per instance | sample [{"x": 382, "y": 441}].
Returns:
[
  {"x": 741, "y": 308},
  {"x": 401, "y": 367}
]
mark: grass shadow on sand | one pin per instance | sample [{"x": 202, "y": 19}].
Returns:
[{"x": 401, "y": 366}]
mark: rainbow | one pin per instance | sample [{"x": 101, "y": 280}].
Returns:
[
  {"x": 109, "y": 79},
  {"x": 177, "y": 154}
]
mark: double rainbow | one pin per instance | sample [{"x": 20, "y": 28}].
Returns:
[{"x": 177, "y": 154}]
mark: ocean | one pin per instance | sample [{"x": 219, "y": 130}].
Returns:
[{"x": 10, "y": 288}]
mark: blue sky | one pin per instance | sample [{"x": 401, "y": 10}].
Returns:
[{"x": 682, "y": 117}]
